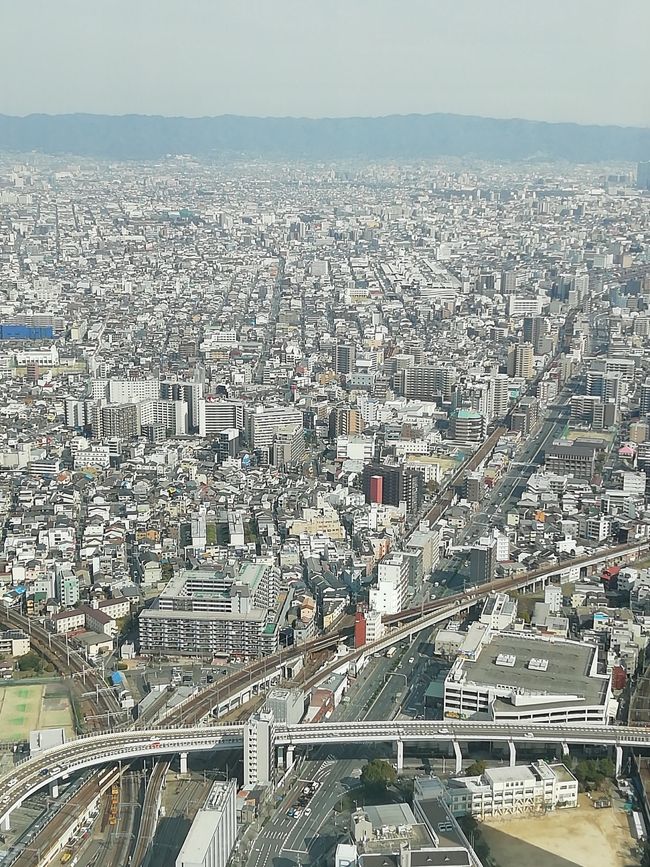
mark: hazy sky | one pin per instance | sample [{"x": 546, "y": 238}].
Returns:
[{"x": 581, "y": 60}]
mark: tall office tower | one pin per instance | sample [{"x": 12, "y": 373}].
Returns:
[
  {"x": 117, "y": 420},
  {"x": 644, "y": 398},
  {"x": 263, "y": 421},
  {"x": 534, "y": 332},
  {"x": 217, "y": 414},
  {"x": 508, "y": 282},
  {"x": 500, "y": 386},
  {"x": 520, "y": 361},
  {"x": 643, "y": 175},
  {"x": 189, "y": 392},
  {"x": 344, "y": 358},
  {"x": 483, "y": 561}
]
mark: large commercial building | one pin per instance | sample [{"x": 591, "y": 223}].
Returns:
[
  {"x": 518, "y": 678},
  {"x": 236, "y": 609},
  {"x": 212, "y": 835}
]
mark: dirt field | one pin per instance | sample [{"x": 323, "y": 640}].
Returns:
[
  {"x": 584, "y": 837},
  {"x": 33, "y": 706}
]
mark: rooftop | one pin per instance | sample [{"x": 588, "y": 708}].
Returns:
[{"x": 568, "y": 672}]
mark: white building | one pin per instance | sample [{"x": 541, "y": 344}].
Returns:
[
  {"x": 375, "y": 629},
  {"x": 553, "y": 597},
  {"x": 265, "y": 420},
  {"x": 389, "y": 595},
  {"x": 499, "y": 611},
  {"x": 520, "y": 678},
  {"x": 258, "y": 750},
  {"x": 212, "y": 835},
  {"x": 508, "y": 791}
]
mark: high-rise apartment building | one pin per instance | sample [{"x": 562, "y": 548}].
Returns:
[
  {"x": 263, "y": 421},
  {"x": 344, "y": 358},
  {"x": 483, "y": 561},
  {"x": 521, "y": 361},
  {"x": 117, "y": 420},
  {"x": 424, "y": 382},
  {"x": 500, "y": 389},
  {"x": 259, "y": 759},
  {"x": 219, "y": 414}
]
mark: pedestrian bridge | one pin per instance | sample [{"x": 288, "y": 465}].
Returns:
[{"x": 52, "y": 765}]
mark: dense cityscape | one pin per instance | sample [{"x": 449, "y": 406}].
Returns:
[{"x": 324, "y": 500}]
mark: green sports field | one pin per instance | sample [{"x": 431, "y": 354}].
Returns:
[{"x": 26, "y": 707}]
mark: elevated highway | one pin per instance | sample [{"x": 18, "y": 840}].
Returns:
[{"x": 56, "y": 763}]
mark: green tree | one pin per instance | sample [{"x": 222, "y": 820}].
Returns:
[
  {"x": 30, "y": 662},
  {"x": 378, "y": 775},
  {"x": 476, "y": 768}
]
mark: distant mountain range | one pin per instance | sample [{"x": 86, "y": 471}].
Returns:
[{"x": 397, "y": 136}]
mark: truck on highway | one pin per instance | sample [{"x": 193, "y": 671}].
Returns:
[{"x": 391, "y": 652}]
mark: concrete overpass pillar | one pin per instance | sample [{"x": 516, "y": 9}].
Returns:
[
  {"x": 54, "y": 789},
  {"x": 619, "y": 760},
  {"x": 513, "y": 753},
  {"x": 5, "y": 825},
  {"x": 289, "y": 757},
  {"x": 459, "y": 757},
  {"x": 565, "y": 749},
  {"x": 400, "y": 756},
  {"x": 183, "y": 758}
]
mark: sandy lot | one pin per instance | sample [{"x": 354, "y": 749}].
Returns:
[
  {"x": 584, "y": 837},
  {"x": 31, "y": 706}
]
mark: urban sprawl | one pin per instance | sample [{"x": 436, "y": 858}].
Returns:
[{"x": 290, "y": 450}]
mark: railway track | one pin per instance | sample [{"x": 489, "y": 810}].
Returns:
[{"x": 103, "y": 705}]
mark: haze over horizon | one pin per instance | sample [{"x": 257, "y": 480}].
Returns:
[{"x": 554, "y": 62}]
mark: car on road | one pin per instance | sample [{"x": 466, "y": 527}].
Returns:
[
  {"x": 444, "y": 731},
  {"x": 411, "y": 660},
  {"x": 529, "y": 735},
  {"x": 307, "y": 811}
]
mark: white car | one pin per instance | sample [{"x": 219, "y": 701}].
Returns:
[
  {"x": 529, "y": 735},
  {"x": 444, "y": 731},
  {"x": 307, "y": 811}
]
